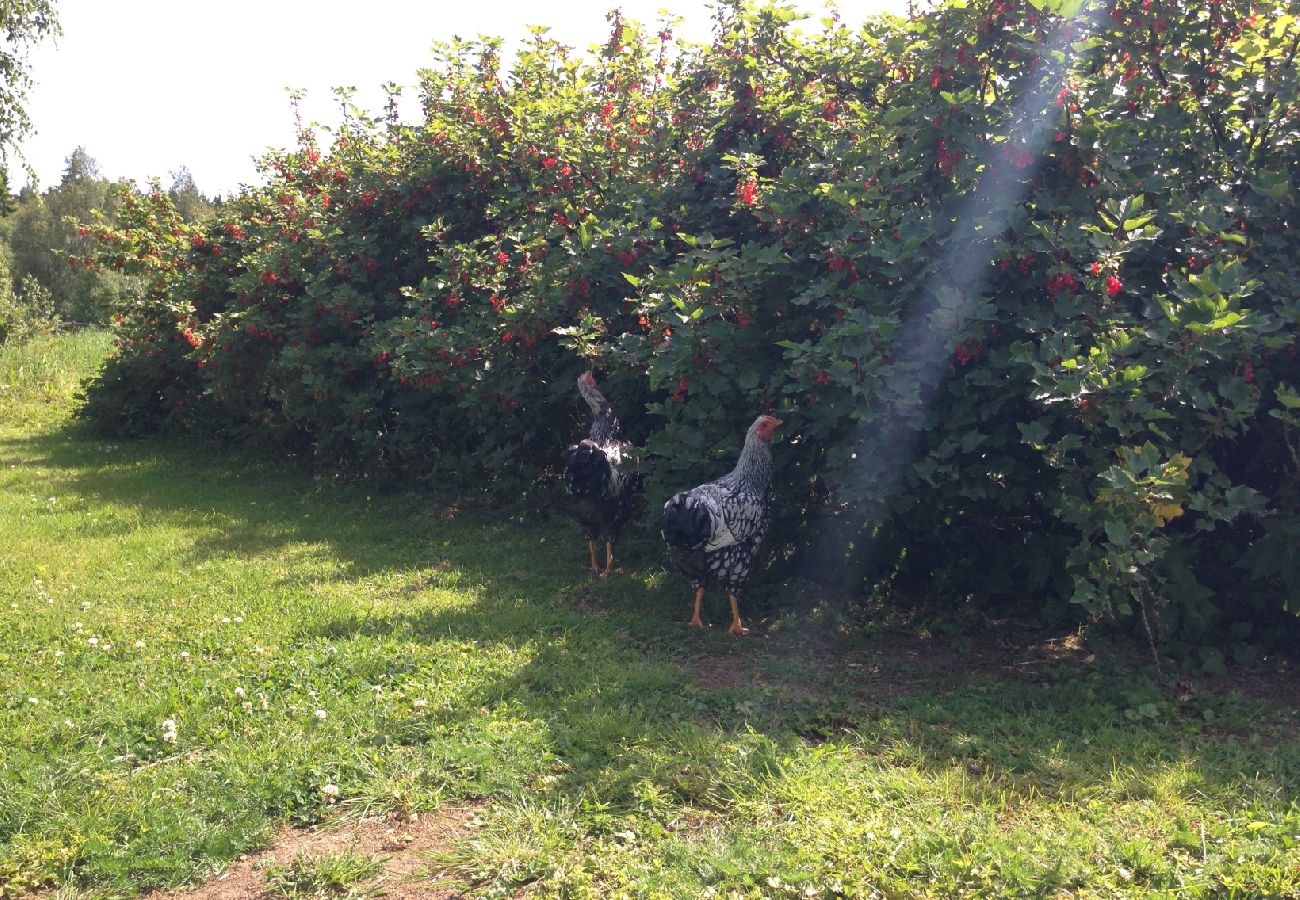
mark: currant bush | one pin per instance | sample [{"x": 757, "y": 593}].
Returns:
[{"x": 1020, "y": 278}]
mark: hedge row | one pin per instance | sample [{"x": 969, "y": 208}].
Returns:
[{"x": 1022, "y": 284}]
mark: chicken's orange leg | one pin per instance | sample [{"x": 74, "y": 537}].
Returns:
[
  {"x": 699, "y": 597},
  {"x": 609, "y": 559},
  {"x": 736, "y": 627},
  {"x": 591, "y": 547}
]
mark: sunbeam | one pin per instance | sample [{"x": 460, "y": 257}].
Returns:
[{"x": 920, "y": 349}]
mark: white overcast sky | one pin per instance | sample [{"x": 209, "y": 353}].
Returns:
[{"x": 148, "y": 86}]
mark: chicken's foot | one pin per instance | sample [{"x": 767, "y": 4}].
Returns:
[
  {"x": 699, "y": 598},
  {"x": 591, "y": 547},
  {"x": 736, "y": 627},
  {"x": 609, "y": 559}
]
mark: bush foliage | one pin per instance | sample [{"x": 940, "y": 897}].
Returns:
[{"x": 1022, "y": 284}]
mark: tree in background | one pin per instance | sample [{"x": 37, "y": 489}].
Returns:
[
  {"x": 185, "y": 195},
  {"x": 41, "y": 240},
  {"x": 26, "y": 306},
  {"x": 42, "y": 276},
  {"x": 25, "y": 24}
]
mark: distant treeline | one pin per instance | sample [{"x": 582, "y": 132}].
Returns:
[{"x": 40, "y": 286}]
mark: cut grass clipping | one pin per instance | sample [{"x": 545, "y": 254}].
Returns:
[{"x": 198, "y": 647}]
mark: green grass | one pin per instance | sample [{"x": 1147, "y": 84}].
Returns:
[
  {"x": 301, "y": 633},
  {"x": 39, "y": 377},
  {"x": 330, "y": 875}
]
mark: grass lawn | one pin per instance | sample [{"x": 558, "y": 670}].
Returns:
[{"x": 198, "y": 647}]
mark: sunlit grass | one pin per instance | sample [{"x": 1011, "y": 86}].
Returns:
[
  {"x": 196, "y": 647},
  {"x": 338, "y": 875},
  {"x": 39, "y": 376}
]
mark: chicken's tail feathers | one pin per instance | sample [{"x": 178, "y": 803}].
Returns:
[{"x": 686, "y": 522}]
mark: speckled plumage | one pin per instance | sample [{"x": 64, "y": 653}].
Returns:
[
  {"x": 713, "y": 531},
  {"x": 605, "y": 431},
  {"x": 600, "y": 497}
]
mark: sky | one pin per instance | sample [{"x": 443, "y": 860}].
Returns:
[{"x": 149, "y": 86}]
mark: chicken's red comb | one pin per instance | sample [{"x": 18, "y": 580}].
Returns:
[{"x": 588, "y": 379}]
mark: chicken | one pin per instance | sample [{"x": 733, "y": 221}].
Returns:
[
  {"x": 713, "y": 531},
  {"x": 601, "y": 497}
]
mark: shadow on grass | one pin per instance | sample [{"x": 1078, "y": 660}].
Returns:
[
  {"x": 624, "y": 711},
  {"x": 632, "y": 700}
]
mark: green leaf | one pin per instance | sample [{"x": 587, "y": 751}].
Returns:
[
  {"x": 1236, "y": 391},
  {"x": 1287, "y": 396},
  {"x": 1034, "y": 432},
  {"x": 1067, "y": 9},
  {"x": 1119, "y": 534}
]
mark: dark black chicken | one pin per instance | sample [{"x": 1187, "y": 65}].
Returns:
[
  {"x": 600, "y": 497},
  {"x": 713, "y": 531}
]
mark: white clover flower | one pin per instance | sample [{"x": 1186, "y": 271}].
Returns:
[
  {"x": 239, "y": 692},
  {"x": 94, "y": 641},
  {"x": 331, "y": 792},
  {"x": 246, "y": 706},
  {"x": 33, "y": 700},
  {"x": 321, "y": 714},
  {"x": 239, "y": 619},
  {"x": 420, "y": 704},
  {"x": 169, "y": 731},
  {"x": 225, "y": 620},
  {"x": 108, "y": 645},
  {"x": 139, "y": 645},
  {"x": 185, "y": 654}
]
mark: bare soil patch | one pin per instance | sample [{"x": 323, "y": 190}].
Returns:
[
  {"x": 894, "y": 663},
  {"x": 731, "y": 671},
  {"x": 401, "y": 844}
]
